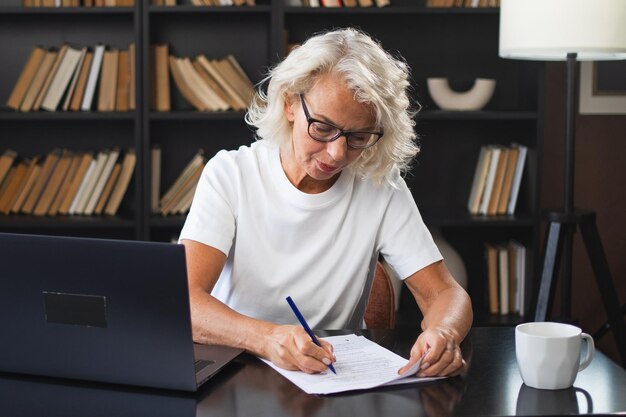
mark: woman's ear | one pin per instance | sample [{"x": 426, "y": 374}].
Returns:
[{"x": 289, "y": 108}]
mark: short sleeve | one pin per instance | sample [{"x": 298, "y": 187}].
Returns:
[{"x": 212, "y": 217}]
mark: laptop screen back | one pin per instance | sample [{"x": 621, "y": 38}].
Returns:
[{"x": 102, "y": 310}]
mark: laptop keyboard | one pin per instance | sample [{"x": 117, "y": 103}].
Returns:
[{"x": 201, "y": 364}]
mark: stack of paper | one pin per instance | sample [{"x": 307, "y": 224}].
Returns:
[{"x": 361, "y": 364}]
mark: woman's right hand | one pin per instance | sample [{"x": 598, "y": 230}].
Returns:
[{"x": 290, "y": 347}]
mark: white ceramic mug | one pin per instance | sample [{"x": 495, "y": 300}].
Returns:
[{"x": 548, "y": 354}]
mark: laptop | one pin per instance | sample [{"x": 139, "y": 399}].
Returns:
[{"x": 101, "y": 310}]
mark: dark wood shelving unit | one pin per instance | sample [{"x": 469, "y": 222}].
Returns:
[{"x": 457, "y": 43}]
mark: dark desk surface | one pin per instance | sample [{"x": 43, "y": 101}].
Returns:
[{"x": 248, "y": 387}]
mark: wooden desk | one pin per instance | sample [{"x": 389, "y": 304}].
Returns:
[{"x": 248, "y": 387}]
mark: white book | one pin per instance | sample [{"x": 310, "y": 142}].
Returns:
[
  {"x": 92, "y": 81},
  {"x": 81, "y": 187},
  {"x": 481, "y": 169},
  {"x": 517, "y": 178},
  {"x": 61, "y": 80},
  {"x": 101, "y": 181},
  {"x": 72, "y": 87},
  {"x": 491, "y": 176},
  {"x": 314, "y": 3},
  {"x": 91, "y": 182}
]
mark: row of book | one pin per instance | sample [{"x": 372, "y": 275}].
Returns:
[
  {"x": 78, "y": 3},
  {"x": 206, "y": 84},
  {"x": 65, "y": 182},
  {"x": 506, "y": 278},
  {"x": 71, "y": 78},
  {"x": 179, "y": 195},
  {"x": 497, "y": 179},
  {"x": 337, "y": 3},
  {"x": 205, "y": 2},
  {"x": 463, "y": 3}
]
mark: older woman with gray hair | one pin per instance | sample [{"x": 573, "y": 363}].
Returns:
[{"x": 307, "y": 210}]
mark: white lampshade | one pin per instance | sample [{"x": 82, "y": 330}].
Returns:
[{"x": 547, "y": 30}]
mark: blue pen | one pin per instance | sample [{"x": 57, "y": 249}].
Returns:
[{"x": 306, "y": 327}]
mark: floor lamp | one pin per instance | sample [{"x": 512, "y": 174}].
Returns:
[{"x": 571, "y": 31}]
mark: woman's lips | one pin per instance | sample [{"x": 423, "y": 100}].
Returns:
[{"x": 326, "y": 168}]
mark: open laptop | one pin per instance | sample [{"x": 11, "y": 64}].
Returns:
[{"x": 101, "y": 310}]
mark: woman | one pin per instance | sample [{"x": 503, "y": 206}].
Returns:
[{"x": 307, "y": 210}]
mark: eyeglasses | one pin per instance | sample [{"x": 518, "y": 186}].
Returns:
[{"x": 325, "y": 132}]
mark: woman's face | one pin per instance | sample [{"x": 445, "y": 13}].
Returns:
[{"x": 329, "y": 101}]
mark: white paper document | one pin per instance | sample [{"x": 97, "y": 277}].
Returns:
[{"x": 361, "y": 364}]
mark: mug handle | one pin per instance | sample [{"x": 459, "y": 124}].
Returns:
[
  {"x": 590, "y": 349},
  {"x": 587, "y": 397}
]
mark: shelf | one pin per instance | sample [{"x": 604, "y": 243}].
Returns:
[
  {"x": 209, "y": 9},
  {"x": 85, "y": 116},
  {"x": 196, "y": 115},
  {"x": 391, "y": 10},
  {"x": 476, "y": 115},
  {"x": 63, "y": 222},
  {"x": 66, "y": 10}
]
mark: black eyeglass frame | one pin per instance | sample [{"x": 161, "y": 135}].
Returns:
[{"x": 310, "y": 120}]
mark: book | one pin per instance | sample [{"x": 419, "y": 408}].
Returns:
[
  {"x": 104, "y": 175},
  {"x": 6, "y": 161},
  {"x": 46, "y": 85},
  {"x": 210, "y": 68},
  {"x": 64, "y": 188},
  {"x": 74, "y": 82},
  {"x": 155, "y": 178},
  {"x": 79, "y": 195},
  {"x": 11, "y": 185},
  {"x": 62, "y": 78},
  {"x": 197, "y": 160},
  {"x": 132, "y": 93},
  {"x": 503, "y": 279},
  {"x": 38, "y": 81},
  {"x": 517, "y": 177},
  {"x": 508, "y": 180},
  {"x": 492, "y": 278},
  {"x": 26, "y": 76},
  {"x": 382, "y": 368},
  {"x": 496, "y": 190},
  {"x": 79, "y": 92},
  {"x": 212, "y": 100},
  {"x": 92, "y": 80},
  {"x": 122, "y": 101},
  {"x": 13, "y": 191},
  {"x": 76, "y": 182},
  {"x": 108, "y": 188},
  {"x": 29, "y": 181},
  {"x": 119, "y": 190},
  {"x": 214, "y": 85},
  {"x": 182, "y": 85},
  {"x": 90, "y": 182},
  {"x": 190, "y": 183},
  {"x": 478, "y": 183},
  {"x": 54, "y": 183},
  {"x": 160, "y": 93},
  {"x": 49, "y": 164},
  {"x": 108, "y": 81},
  {"x": 489, "y": 180}
]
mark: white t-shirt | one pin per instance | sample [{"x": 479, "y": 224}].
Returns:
[{"x": 316, "y": 248}]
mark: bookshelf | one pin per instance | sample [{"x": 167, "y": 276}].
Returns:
[{"x": 458, "y": 43}]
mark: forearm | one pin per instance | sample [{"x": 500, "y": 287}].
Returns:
[
  {"x": 213, "y": 322},
  {"x": 449, "y": 309}
]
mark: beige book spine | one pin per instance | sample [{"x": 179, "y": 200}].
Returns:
[
  {"x": 71, "y": 172},
  {"x": 35, "y": 58},
  {"x": 38, "y": 81},
  {"x": 31, "y": 178},
  {"x": 50, "y": 77},
  {"x": 77, "y": 180},
  {"x": 108, "y": 188},
  {"x": 128, "y": 167}
]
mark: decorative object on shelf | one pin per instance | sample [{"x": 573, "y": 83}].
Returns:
[
  {"x": 588, "y": 30},
  {"x": 602, "y": 89},
  {"x": 471, "y": 100}
]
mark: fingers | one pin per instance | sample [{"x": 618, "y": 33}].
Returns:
[
  {"x": 442, "y": 361},
  {"x": 292, "y": 348}
]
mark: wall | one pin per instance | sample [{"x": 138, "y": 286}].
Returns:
[{"x": 600, "y": 171}]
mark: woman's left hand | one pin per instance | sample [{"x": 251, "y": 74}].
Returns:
[{"x": 441, "y": 354}]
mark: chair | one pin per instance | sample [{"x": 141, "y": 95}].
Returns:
[{"x": 380, "y": 312}]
